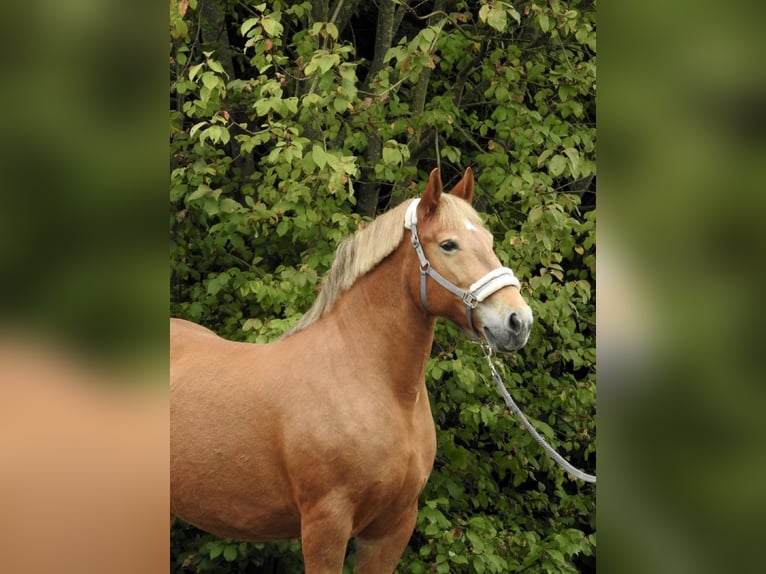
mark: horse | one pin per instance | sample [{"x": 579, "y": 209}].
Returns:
[{"x": 326, "y": 434}]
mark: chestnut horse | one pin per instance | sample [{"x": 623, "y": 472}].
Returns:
[{"x": 326, "y": 434}]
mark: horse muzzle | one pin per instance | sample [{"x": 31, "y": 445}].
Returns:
[{"x": 507, "y": 332}]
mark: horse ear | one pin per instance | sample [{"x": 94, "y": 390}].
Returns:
[
  {"x": 464, "y": 188},
  {"x": 432, "y": 194}
]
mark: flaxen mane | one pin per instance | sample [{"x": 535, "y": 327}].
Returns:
[{"x": 361, "y": 252}]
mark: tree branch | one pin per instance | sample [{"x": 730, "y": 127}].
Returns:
[{"x": 384, "y": 37}]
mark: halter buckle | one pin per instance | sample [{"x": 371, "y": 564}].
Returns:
[{"x": 470, "y": 300}]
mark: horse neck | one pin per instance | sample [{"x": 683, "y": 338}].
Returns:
[{"x": 379, "y": 319}]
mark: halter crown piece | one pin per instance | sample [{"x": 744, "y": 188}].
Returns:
[{"x": 477, "y": 292}]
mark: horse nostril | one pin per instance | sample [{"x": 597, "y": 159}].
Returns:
[{"x": 515, "y": 323}]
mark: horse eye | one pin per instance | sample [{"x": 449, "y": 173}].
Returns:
[{"x": 448, "y": 246}]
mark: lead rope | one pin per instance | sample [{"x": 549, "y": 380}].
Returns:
[{"x": 517, "y": 411}]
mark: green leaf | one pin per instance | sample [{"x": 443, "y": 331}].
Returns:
[
  {"x": 230, "y": 552},
  {"x": 340, "y": 105},
  {"x": 215, "y": 550},
  {"x": 283, "y": 206},
  {"x": 211, "y": 81},
  {"x": 196, "y": 127},
  {"x": 476, "y": 542},
  {"x": 216, "y": 67},
  {"x": 321, "y": 61},
  {"x": 210, "y": 205},
  {"x": 545, "y": 23},
  {"x": 291, "y": 105},
  {"x": 544, "y": 156},
  {"x": 202, "y": 191},
  {"x": 311, "y": 67},
  {"x": 262, "y": 107},
  {"x": 311, "y": 99},
  {"x": 574, "y": 160},
  {"x": 319, "y": 156},
  {"x": 435, "y": 516},
  {"x": 218, "y": 134},
  {"x": 194, "y": 70},
  {"x": 316, "y": 28},
  {"x": 497, "y": 18},
  {"x": 392, "y": 156},
  {"x": 557, "y": 164},
  {"x": 535, "y": 214},
  {"x": 272, "y": 26},
  {"x": 557, "y": 556},
  {"x": 252, "y": 324},
  {"x": 332, "y": 30},
  {"x": 543, "y": 428},
  {"x": 484, "y": 12},
  {"x": 178, "y": 191},
  {"x": 327, "y": 61},
  {"x": 217, "y": 282},
  {"x": 247, "y": 25},
  {"x": 229, "y": 205}
]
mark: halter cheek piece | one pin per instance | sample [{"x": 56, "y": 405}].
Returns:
[{"x": 480, "y": 290}]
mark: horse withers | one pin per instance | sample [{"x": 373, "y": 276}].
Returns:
[{"x": 326, "y": 434}]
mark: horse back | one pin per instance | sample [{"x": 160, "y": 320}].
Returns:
[{"x": 182, "y": 332}]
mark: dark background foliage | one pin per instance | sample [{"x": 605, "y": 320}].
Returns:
[{"x": 292, "y": 122}]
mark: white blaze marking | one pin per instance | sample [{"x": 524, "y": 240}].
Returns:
[{"x": 469, "y": 226}]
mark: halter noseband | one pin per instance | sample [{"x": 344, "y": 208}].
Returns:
[{"x": 477, "y": 292}]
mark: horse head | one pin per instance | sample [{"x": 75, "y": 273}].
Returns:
[{"x": 461, "y": 277}]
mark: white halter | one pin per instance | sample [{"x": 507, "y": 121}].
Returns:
[{"x": 477, "y": 292}]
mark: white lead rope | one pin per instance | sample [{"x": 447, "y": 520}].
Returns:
[{"x": 517, "y": 411}]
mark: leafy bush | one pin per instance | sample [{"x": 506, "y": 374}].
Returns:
[{"x": 292, "y": 122}]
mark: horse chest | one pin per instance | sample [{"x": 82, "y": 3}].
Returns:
[
  {"x": 408, "y": 461},
  {"x": 381, "y": 452},
  {"x": 390, "y": 487},
  {"x": 407, "y": 443}
]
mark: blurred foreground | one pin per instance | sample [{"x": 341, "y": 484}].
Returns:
[
  {"x": 681, "y": 247},
  {"x": 83, "y": 295},
  {"x": 84, "y": 466}
]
